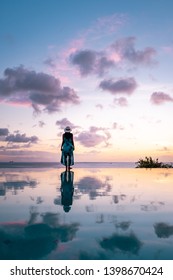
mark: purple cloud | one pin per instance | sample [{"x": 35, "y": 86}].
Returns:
[
  {"x": 123, "y": 86},
  {"x": 158, "y": 98},
  {"x": 65, "y": 122},
  {"x": 100, "y": 106},
  {"x": 42, "y": 91},
  {"x": 91, "y": 62},
  {"x": 41, "y": 123},
  {"x": 115, "y": 125},
  {"x": 92, "y": 138},
  {"x": 50, "y": 62},
  {"x": 21, "y": 138},
  {"x": 122, "y": 101},
  {"x": 125, "y": 48}
]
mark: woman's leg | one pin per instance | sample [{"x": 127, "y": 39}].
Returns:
[{"x": 66, "y": 162}]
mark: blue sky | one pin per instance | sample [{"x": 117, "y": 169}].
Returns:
[{"x": 102, "y": 67}]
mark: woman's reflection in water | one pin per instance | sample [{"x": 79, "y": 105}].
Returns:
[{"x": 67, "y": 190}]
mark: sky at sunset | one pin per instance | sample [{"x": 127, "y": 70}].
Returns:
[{"x": 103, "y": 67}]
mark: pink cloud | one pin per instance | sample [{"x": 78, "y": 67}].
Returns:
[
  {"x": 103, "y": 26},
  {"x": 168, "y": 49},
  {"x": 65, "y": 122},
  {"x": 100, "y": 106},
  {"x": 93, "y": 137},
  {"x": 122, "y": 101},
  {"x": 159, "y": 98},
  {"x": 111, "y": 23},
  {"x": 117, "y": 126},
  {"x": 58, "y": 64},
  {"x": 73, "y": 47},
  {"x": 89, "y": 61},
  {"x": 39, "y": 90},
  {"x": 126, "y": 49}
]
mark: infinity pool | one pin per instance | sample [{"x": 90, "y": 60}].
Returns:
[{"x": 88, "y": 213}]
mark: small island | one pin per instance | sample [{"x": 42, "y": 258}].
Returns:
[{"x": 148, "y": 162}]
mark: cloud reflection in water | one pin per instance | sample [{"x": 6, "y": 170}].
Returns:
[
  {"x": 34, "y": 241},
  {"x": 125, "y": 243},
  {"x": 114, "y": 214}
]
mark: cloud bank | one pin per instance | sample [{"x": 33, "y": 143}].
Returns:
[
  {"x": 40, "y": 90},
  {"x": 21, "y": 138},
  {"x": 122, "y": 51},
  {"x": 10, "y": 138}
]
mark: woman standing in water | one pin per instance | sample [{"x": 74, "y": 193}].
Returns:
[{"x": 67, "y": 148}]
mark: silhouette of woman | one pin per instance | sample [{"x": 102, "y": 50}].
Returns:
[{"x": 67, "y": 148}]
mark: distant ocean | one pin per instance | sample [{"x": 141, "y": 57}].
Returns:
[{"x": 58, "y": 165}]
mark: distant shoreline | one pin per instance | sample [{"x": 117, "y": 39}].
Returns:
[
  {"x": 28, "y": 164},
  {"x": 58, "y": 165}
]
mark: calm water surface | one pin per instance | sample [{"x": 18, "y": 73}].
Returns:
[{"x": 88, "y": 213}]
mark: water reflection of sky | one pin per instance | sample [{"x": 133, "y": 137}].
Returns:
[{"x": 103, "y": 213}]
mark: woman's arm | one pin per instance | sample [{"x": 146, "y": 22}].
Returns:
[
  {"x": 62, "y": 141},
  {"x": 72, "y": 141}
]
